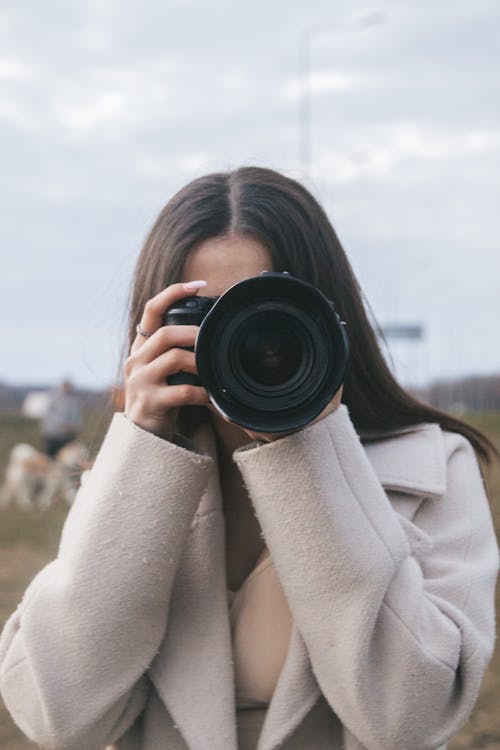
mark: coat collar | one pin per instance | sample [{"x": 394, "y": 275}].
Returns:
[
  {"x": 411, "y": 460},
  {"x": 193, "y": 670},
  {"x": 196, "y": 653}
]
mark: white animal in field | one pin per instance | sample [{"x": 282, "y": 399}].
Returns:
[
  {"x": 25, "y": 475},
  {"x": 63, "y": 478},
  {"x": 33, "y": 480}
]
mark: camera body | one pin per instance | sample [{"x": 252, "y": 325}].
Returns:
[{"x": 271, "y": 351}]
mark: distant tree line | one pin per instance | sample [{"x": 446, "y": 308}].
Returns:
[
  {"x": 12, "y": 397},
  {"x": 472, "y": 393}
]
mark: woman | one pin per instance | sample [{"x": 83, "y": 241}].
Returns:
[{"x": 216, "y": 589}]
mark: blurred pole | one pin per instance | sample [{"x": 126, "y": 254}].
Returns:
[
  {"x": 305, "y": 101},
  {"x": 307, "y": 37}
]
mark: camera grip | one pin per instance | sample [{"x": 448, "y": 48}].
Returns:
[{"x": 183, "y": 378}]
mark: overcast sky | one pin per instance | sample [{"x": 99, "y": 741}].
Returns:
[{"x": 107, "y": 108}]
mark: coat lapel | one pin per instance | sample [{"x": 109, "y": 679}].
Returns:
[
  {"x": 425, "y": 474},
  {"x": 193, "y": 671},
  {"x": 295, "y": 694}
]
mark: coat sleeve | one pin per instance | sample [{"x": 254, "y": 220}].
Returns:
[
  {"x": 74, "y": 655},
  {"x": 398, "y": 645}
]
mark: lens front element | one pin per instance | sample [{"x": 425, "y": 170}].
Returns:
[{"x": 269, "y": 353}]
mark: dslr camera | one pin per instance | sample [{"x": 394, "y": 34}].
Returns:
[{"x": 271, "y": 351}]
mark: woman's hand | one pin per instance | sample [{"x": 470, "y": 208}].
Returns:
[
  {"x": 269, "y": 437},
  {"x": 149, "y": 402}
]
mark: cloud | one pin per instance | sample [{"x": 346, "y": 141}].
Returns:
[
  {"x": 15, "y": 115},
  {"x": 154, "y": 167},
  {"x": 13, "y": 70},
  {"x": 379, "y": 152},
  {"x": 323, "y": 81},
  {"x": 83, "y": 117}
]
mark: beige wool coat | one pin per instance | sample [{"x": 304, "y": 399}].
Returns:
[{"x": 386, "y": 553}]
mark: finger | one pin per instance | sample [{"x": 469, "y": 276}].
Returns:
[
  {"x": 162, "y": 340},
  {"x": 171, "y": 396},
  {"x": 171, "y": 362},
  {"x": 155, "y": 308},
  {"x": 166, "y": 400}
]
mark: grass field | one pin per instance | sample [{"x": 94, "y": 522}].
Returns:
[{"x": 29, "y": 541}]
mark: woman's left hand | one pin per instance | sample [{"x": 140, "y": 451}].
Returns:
[{"x": 269, "y": 437}]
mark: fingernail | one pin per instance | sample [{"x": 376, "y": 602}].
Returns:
[{"x": 194, "y": 284}]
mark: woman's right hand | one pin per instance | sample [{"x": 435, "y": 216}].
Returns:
[{"x": 149, "y": 401}]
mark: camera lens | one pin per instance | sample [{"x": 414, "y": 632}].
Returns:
[{"x": 269, "y": 354}]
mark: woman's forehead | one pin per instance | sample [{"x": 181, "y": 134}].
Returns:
[{"x": 223, "y": 261}]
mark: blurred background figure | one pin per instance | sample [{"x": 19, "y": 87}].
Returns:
[{"x": 62, "y": 418}]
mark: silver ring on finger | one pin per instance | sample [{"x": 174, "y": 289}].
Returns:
[{"x": 141, "y": 332}]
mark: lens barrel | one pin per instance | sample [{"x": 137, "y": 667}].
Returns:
[{"x": 271, "y": 352}]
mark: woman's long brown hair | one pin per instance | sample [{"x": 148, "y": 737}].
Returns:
[{"x": 281, "y": 214}]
